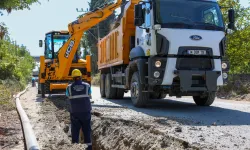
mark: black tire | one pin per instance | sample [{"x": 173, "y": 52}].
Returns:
[
  {"x": 205, "y": 100},
  {"x": 39, "y": 88},
  {"x": 47, "y": 87},
  {"x": 138, "y": 97},
  {"x": 43, "y": 90},
  {"x": 162, "y": 96},
  {"x": 109, "y": 91},
  {"x": 119, "y": 93},
  {"x": 156, "y": 95},
  {"x": 102, "y": 85}
]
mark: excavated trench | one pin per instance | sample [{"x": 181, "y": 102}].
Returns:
[{"x": 115, "y": 133}]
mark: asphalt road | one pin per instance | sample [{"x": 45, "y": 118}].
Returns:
[{"x": 223, "y": 125}]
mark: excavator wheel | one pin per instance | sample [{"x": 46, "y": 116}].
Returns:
[
  {"x": 47, "y": 87},
  {"x": 102, "y": 85},
  {"x": 110, "y": 92},
  {"x": 43, "y": 90}
]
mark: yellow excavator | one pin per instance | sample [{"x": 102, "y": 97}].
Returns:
[{"x": 60, "y": 55}]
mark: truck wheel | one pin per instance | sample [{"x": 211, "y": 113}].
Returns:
[
  {"x": 162, "y": 96},
  {"x": 102, "y": 85},
  {"x": 43, "y": 90},
  {"x": 157, "y": 95},
  {"x": 204, "y": 100},
  {"x": 119, "y": 93},
  {"x": 109, "y": 91},
  {"x": 138, "y": 97}
]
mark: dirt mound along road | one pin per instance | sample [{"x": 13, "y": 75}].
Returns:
[{"x": 167, "y": 124}]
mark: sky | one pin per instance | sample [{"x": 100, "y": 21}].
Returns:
[{"x": 27, "y": 27}]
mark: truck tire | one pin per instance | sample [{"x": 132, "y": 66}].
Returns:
[
  {"x": 138, "y": 97},
  {"x": 119, "y": 93},
  {"x": 43, "y": 90},
  {"x": 102, "y": 85},
  {"x": 162, "y": 96},
  {"x": 109, "y": 91},
  {"x": 204, "y": 100},
  {"x": 157, "y": 95}
]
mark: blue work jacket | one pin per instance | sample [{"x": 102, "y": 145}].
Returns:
[{"x": 78, "y": 94}]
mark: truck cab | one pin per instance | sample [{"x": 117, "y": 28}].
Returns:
[{"x": 178, "y": 48}]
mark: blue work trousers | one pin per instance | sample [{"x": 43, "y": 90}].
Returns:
[{"x": 78, "y": 121}]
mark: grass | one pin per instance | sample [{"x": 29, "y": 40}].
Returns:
[{"x": 7, "y": 89}]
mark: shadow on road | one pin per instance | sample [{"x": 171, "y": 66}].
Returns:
[{"x": 193, "y": 114}]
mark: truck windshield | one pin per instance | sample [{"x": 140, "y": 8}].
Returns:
[
  {"x": 193, "y": 14},
  {"x": 59, "y": 40}
]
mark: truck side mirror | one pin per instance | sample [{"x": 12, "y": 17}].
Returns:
[
  {"x": 40, "y": 43},
  {"x": 138, "y": 15},
  {"x": 231, "y": 19}
]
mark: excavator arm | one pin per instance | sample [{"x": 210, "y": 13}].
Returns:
[{"x": 76, "y": 30}]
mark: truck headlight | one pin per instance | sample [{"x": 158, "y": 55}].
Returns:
[
  {"x": 158, "y": 64},
  {"x": 157, "y": 74},
  {"x": 224, "y": 75},
  {"x": 224, "y": 66}
]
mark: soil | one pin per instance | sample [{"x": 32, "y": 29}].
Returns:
[
  {"x": 48, "y": 129},
  {"x": 11, "y": 136},
  {"x": 117, "y": 125}
]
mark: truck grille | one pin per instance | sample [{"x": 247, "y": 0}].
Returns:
[{"x": 194, "y": 64}]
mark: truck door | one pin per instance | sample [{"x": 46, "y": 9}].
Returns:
[{"x": 145, "y": 37}]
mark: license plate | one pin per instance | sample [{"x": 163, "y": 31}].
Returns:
[{"x": 197, "y": 52}]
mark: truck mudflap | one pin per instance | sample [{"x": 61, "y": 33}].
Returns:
[{"x": 198, "y": 80}]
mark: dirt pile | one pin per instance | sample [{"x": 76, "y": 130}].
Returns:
[{"x": 116, "y": 134}]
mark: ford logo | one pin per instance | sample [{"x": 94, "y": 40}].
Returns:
[{"x": 195, "y": 37}]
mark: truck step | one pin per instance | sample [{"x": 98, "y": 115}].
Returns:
[
  {"x": 118, "y": 75},
  {"x": 118, "y": 86}
]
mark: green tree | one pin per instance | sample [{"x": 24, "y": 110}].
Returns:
[
  {"x": 238, "y": 42},
  {"x": 85, "y": 46},
  {"x": 92, "y": 34},
  {"x": 15, "y": 61},
  {"x": 10, "y": 5}
]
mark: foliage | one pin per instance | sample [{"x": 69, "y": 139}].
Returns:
[
  {"x": 92, "y": 34},
  {"x": 10, "y": 5},
  {"x": 85, "y": 45},
  {"x": 15, "y": 62},
  {"x": 238, "y": 42}
]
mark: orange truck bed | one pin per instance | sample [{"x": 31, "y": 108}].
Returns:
[{"x": 114, "y": 48}]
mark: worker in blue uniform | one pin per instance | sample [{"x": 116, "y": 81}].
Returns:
[
  {"x": 33, "y": 81},
  {"x": 80, "y": 108}
]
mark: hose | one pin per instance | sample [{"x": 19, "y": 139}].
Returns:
[{"x": 30, "y": 138}]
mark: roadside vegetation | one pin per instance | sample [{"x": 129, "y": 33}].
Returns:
[{"x": 16, "y": 63}]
